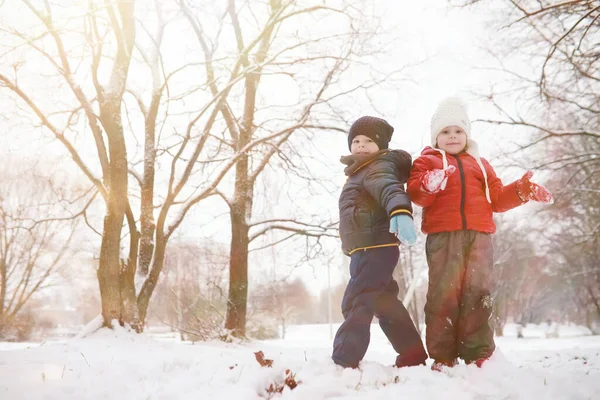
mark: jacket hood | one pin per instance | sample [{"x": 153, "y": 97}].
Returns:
[{"x": 429, "y": 151}]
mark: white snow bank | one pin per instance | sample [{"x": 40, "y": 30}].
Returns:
[{"x": 121, "y": 365}]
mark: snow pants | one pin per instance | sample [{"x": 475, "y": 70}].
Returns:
[
  {"x": 372, "y": 291},
  {"x": 459, "y": 302}
]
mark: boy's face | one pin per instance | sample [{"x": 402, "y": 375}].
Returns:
[
  {"x": 362, "y": 144},
  {"x": 452, "y": 139}
]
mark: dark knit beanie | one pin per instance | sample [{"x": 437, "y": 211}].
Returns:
[{"x": 379, "y": 130}]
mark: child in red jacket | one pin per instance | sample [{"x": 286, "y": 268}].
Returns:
[{"x": 459, "y": 192}]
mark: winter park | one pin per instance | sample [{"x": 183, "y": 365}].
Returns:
[{"x": 299, "y": 199}]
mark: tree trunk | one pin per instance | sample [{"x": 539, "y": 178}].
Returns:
[
  {"x": 2, "y": 288},
  {"x": 147, "y": 225},
  {"x": 594, "y": 300},
  {"x": 109, "y": 270},
  {"x": 588, "y": 320},
  {"x": 130, "y": 310},
  {"x": 109, "y": 266},
  {"x": 238, "y": 269},
  {"x": 499, "y": 327},
  {"x": 117, "y": 288},
  {"x": 241, "y": 208},
  {"x": 150, "y": 282},
  {"x": 498, "y": 316},
  {"x": 179, "y": 292},
  {"x": 147, "y": 189},
  {"x": 2, "y": 282}
]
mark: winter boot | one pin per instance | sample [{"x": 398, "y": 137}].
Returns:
[
  {"x": 438, "y": 365},
  {"x": 409, "y": 364},
  {"x": 344, "y": 364},
  {"x": 479, "y": 361},
  {"x": 411, "y": 359}
]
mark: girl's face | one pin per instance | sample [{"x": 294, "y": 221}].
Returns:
[
  {"x": 452, "y": 139},
  {"x": 362, "y": 144}
]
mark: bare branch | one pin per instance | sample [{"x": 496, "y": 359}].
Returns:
[
  {"x": 69, "y": 218},
  {"x": 309, "y": 230},
  {"x": 57, "y": 133},
  {"x": 210, "y": 75},
  {"x": 65, "y": 70}
]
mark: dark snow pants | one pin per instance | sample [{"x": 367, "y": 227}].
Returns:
[
  {"x": 371, "y": 291},
  {"x": 459, "y": 303}
]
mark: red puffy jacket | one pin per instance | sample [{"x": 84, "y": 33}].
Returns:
[{"x": 462, "y": 204}]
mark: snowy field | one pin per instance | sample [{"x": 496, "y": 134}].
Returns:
[{"x": 121, "y": 365}]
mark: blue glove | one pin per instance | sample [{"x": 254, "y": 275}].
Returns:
[{"x": 403, "y": 227}]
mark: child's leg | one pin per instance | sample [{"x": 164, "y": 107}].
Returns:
[
  {"x": 476, "y": 337},
  {"x": 395, "y": 322},
  {"x": 370, "y": 273},
  {"x": 446, "y": 259}
]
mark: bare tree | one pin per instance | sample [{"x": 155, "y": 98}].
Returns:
[
  {"x": 577, "y": 243},
  {"x": 337, "y": 294},
  {"x": 33, "y": 247},
  {"x": 554, "y": 95},
  {"x": 103, "y": 117},
  {"x": 191, "y": 297},
  {"x": 271, "y": 49},
  {"x": 212, "y": 120},
  {"x": 285, "y": 302},
  {"x": 557, "y": 96}
]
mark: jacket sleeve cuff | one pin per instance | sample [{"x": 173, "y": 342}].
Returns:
[{"x": 401, "y": 211}]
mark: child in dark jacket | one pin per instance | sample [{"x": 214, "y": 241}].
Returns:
[
  {"x": 459, "y": 191},
  {"x": 375, "y": 215}
]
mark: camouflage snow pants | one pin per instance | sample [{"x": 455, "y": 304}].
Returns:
[{"x": 459, "y": 303}]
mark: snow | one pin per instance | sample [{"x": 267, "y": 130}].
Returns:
[
  {"x": 118, "y": 364},
  {"x": 437, "y": 179},
  {"x": 91, "y": 327}
]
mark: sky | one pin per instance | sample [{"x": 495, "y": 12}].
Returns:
[{"x": 444, "y": 45}]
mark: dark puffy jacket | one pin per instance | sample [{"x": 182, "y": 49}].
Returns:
[{"x": 373, "y": 193}]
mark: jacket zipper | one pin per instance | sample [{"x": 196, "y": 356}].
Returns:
[{"x": 463, "y": 193}]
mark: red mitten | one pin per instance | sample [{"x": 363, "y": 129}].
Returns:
[
  {"x": 528, "y": 190},
  {"x": 436, "y": 179}
]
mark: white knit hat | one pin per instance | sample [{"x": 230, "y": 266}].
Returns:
[{"x": 452, "y": 111}]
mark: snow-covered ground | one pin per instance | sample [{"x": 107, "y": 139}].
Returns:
[{"x": 121, "y": 365}]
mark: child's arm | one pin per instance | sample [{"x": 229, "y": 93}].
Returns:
[
  {"x": 513, "y": 195},
  {"x": 385, "y": 183},
  {"x": 503, "y": 198},
  {"x": 415, "y": 184}
]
